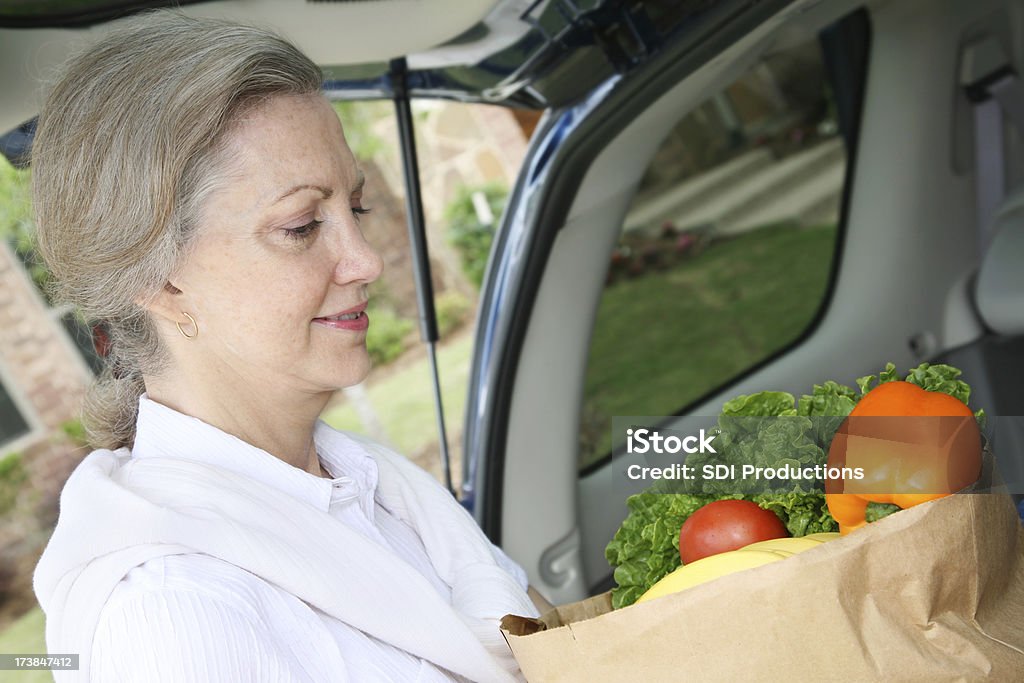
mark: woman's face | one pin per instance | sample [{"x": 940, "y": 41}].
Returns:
[{"x": 280, "y": 256}]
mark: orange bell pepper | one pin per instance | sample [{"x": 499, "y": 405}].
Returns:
[{"x": 933, "y": 450}]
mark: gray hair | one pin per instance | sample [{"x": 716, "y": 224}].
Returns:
[{"x": 128, "y": 144}]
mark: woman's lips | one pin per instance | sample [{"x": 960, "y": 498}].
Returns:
[{"x": 358, "y": 323}]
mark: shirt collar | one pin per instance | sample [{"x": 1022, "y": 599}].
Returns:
[
  {"x": 164, "y": 432},
  {"x": 340, "y": 454}
]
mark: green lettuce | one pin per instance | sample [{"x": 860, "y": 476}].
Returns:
[
  {"x": 646, "y": 546},
  {"x": 828, "y": 404},
  {"x": 803, "y": 513},
  {"x": 761, "y": 404}
]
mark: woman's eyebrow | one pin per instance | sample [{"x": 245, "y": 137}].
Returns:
[{"x": 325, "y": 191}]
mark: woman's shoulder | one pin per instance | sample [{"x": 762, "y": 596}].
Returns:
[
  {"x": 193, "y": 616},
  {"x": 189, "y": 617}
]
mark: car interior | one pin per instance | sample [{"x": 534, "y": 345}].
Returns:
[{"x": 908, "y": 274}]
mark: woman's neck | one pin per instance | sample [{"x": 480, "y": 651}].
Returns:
[{"x": 281, "y": 425}]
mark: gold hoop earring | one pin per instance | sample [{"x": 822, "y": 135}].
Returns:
[{"x": 194, "y": 324}]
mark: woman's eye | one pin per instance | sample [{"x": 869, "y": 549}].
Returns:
[
  {"x": 358, "y": 211},
  {"x": 303, "y": 232}
]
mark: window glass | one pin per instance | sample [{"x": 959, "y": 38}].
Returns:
[
  {"x": 12, "y": 423},
  {"x": 726, "y": 252},
  {"x": 81, "y": 336}
]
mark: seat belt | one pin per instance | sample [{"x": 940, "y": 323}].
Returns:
[{"x": 996, "y": 93}]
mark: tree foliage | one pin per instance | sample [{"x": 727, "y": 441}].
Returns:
[
  {"x": 16, "y": 224},
  {"x": 470, "y": 236},
  {"x": 358, "y": 119}
]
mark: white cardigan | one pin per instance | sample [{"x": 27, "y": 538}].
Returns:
[{"x": 118, "y": 512}]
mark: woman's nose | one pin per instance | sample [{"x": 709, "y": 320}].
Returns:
[{"x": 359, "y": 261}]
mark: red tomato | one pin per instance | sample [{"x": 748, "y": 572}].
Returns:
[{"x": 726, "y": 525}]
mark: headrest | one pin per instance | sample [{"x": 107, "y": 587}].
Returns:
[{"x": 999, "y": 293}]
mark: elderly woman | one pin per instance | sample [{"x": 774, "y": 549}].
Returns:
[{"x": 194, "y": 191}]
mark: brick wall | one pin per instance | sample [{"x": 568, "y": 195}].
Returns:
[{"x": 46, "y": 378}]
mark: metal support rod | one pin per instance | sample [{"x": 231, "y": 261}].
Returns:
[{"x": 418, "y": 241}]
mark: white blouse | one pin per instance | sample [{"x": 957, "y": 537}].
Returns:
[{"x": 194, "y": 617}]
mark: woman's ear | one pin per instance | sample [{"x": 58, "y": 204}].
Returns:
[{"x": 168, "y": 303}]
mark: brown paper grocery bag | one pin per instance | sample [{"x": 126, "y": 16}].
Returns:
[{"x": 933, "y": 593}]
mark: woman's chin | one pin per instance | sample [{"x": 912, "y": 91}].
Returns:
[{"x": 354, "y": 374}]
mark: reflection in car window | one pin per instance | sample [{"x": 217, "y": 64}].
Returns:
[{"x": 725, "y": 253}]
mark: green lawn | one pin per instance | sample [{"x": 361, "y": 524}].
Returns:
[
  {"x": 25, "y": 636},
  {"x": 666, "y": 338}
]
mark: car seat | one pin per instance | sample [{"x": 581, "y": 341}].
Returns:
[{"x": 994, "y": 363}]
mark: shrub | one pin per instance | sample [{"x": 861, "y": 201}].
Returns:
[
  {"x": 359, "y": 119},
  {"x": 387, "y": 337},
  {"x": 470, "y": 237},
  {"x": 16, "y": 225},
  {"x": 12, "y": 477},
  {"x": 74, "y": 430},
  {"x": 453, "y": 310}
]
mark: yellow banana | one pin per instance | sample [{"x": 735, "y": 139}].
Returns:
[
  {"x": 722, "y": 564},
  {"x": 791, "y": 546}
]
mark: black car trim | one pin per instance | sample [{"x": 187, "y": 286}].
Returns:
[{"x": 52, "y": 15}]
